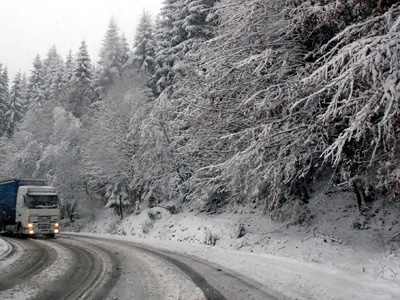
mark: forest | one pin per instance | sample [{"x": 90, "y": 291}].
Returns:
[{"x": 216, "y": 103}]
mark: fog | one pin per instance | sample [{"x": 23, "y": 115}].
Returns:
[{"x": 31, "y": 27}]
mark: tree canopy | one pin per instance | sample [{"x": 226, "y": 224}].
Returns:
[{"x": 218, "y": 103}]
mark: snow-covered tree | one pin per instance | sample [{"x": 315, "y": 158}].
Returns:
[
  {"x": 4, "y": 97},
  {"x": 181, "y": 26},
  {"x": 53, "y": 68},
  {"x": 83, "y": 67},
  {"x": 281, "y": 99},
  {"x": 199, "y": 19},
  {"x": 166, "y": 39},
  {"x": 24, "y": 91},
  {"x": 35, "y": 91},
  {"x": 125, "y": 50},
  {"x": 112, "y": 56},
  {"x": 60, "y": 161},
  {"x": 143, "y": 52},
  {"x": 358, "y": 107},
  {"x": 78, "y": 92},
  {"x": 69, "y": 69},
  {"x": 110, "y": 150},
  {"x": 15, "y": 107}
]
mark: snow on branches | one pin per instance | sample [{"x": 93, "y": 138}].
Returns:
[
  {"x": 293, "y": 87},
  {"x": 356, "y": 83}
]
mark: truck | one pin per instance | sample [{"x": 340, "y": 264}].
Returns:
[{"x": 29, "y": 207}]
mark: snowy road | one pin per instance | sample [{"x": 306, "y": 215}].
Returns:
[{"x": 79, "y": 267}]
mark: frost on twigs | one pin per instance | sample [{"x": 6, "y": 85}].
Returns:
[{"x": 353, "y": 93}]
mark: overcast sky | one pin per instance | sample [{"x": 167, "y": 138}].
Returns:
[{"x": 31, "y": 27}]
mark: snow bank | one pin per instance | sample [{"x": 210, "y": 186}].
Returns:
[
  {"x": 340, "y": 254},
  {"x": 291, "y": 277}
]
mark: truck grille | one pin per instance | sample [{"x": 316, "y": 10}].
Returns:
[
  {"x": 44, "y": 226},
  {"x": 44, "y": 218},
  {"x": 44, "y": 223}
]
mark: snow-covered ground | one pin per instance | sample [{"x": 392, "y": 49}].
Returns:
[
  {"x": 4, "y": 248},
  {"x": 27, "y": 288},
  {"x": 338, "y": 255}
]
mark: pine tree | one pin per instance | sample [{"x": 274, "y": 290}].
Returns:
[
  {"x": 24, "y": 92},
  {"x": 15, "y": 105},
  {"x": 3, "y": 85},
  {"x": 163, "y": 74},
  {"x": 111, "y": 58},
  {"x": 125, "y": 50},
  {"x": 80, "y": 92},
  {"x": 69, "y": 69},
  {"x": 83, "y": 67},
  {"x": 53, "y": 67},
  {"x": 4, "y": 95},
  {"x": 143, "y": 53},
  {"x": 35, "y": 91},
  {"x": 199, "y": 22},
  {"x": 112, "y": 50},
  {"x": 182, "y": 26}
]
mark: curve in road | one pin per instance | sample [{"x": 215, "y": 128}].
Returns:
[
  {"x": 35, "y": 257},
  {"x": 216, "y": 284},
  {"x": 87, "y": 267}
]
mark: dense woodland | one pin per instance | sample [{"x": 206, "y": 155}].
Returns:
[{"x": 215, "y": 103}]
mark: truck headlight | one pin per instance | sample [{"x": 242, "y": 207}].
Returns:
[
  {"x": 30, "y": 225},
  {"x": 56, "y": 225},
  {"x": 31, "y": 231},
  {"x": 56, "y": 230}
]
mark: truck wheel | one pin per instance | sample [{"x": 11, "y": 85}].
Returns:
[{"x": 18, "y": 232}]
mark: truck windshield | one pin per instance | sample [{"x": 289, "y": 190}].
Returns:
[{"x": 41, "y": 201}]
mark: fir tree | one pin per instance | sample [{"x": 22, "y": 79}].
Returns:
[
  {"x": 112, "y": 51},
  {"x": 80, "y": 87},
  {"x": 184, "y": 24},
  {"x": 24, "y": 92},
  {"x": 15, "y": 105},
  {"x": 3, "y": 84},
  {"x": 35, "y": 83},
  {"x": 69, "y": 68},
  {"x": 4, "y": 95},
  {"x": 144, "y": 45},
  {"x": 83, "y": 67},
  {"x": 163, "y": 74},
  {"x": 125, "y": 50},
  {"x": 199, "y": 22},
  {"x": 53, "y": 67},
  {"x": 111, "y": 58}
]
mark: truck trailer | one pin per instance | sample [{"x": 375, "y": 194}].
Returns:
[{"x": 29, "y": 207}]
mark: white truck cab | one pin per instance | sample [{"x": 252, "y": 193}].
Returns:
[{"x": 37, "y": 211}]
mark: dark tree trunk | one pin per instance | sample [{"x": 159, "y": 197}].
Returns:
[
  {"x": 120, "y": 207},
  {"x": 358, "y": 195}
]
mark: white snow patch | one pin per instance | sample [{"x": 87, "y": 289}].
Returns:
[
  {"x": 339, "y": 255},
  {"x": 28, "y": 289},
  {"x": 165, "y": 278},
  {"x": 5, "y": 248},
  {"x": 5, "y": 260}
]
